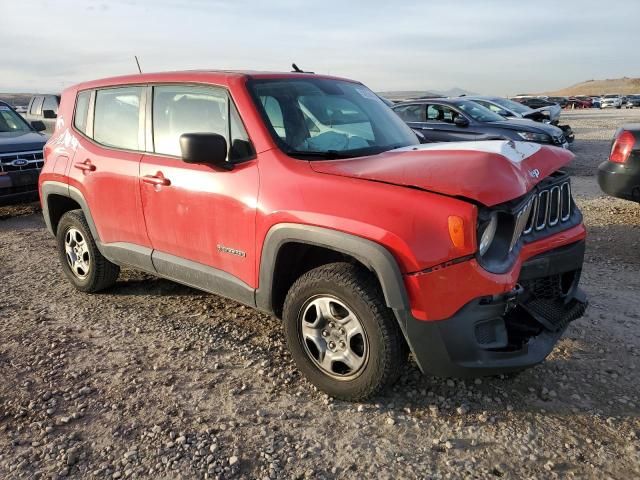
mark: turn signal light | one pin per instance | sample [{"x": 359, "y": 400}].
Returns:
[
  {"x": 456, "y": 231},
  {"x": 622, "y": 147}
]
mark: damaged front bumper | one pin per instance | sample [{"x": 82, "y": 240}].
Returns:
[{"x": 508, "y": 331}]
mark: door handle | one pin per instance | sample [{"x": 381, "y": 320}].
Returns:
[
  {"x": 85, "y": 166},
  {"x": 157, "y": 180}
]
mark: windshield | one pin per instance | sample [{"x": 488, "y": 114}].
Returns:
[
  {"x": 10, "y": 121},
  {"x": 511, "y": 105},
  {"x": 611, "y": 96},
  {"x": 478, "y": 112},
  {"x": 328, "y": 118}
]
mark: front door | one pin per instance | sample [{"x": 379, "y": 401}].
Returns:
[{"x": 200, "y": 219}]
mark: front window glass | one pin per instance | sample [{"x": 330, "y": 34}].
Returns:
[
  {"x": 179, "y": 109},
  {"x": 10, "y": 121},
  {"x": 117, "y": 117},
  {"x": 478, "y": 112},
  {"x": 324, "y": 117}
]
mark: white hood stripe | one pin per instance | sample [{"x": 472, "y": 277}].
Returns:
[{"x": 514, "y": 151}]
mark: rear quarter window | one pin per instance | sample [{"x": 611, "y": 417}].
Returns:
[{"x": 81, "y": 111}]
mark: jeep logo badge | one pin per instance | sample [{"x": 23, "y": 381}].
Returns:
[
  {"x": 19, "y": 162},
  {"x": 535, "y": 173}
]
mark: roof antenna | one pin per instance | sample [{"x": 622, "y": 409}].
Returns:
[
  {"x": 297, "y": 70},
  {"x": 137, "y": 63}
]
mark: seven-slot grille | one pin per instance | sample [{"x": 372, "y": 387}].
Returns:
[
  {"x": 546, "y": 209},
  {"x": 17, "y": 161}
]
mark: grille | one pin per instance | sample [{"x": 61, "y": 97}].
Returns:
[
  {"x": 549, "y": 208},
  {"x": 18, "y": 161}
]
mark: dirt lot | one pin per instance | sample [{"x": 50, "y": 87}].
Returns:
[{"x": 156, "y": 380}]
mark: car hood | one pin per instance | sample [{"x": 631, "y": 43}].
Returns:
[
  {"x": 553, "y": 111},
  {"x": 489, "y": 172},
  {"x": 524, "y": 125},
  {"x": 21, "y": 141}
]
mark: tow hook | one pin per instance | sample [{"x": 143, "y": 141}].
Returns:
[{"x": 511, "y": 298}]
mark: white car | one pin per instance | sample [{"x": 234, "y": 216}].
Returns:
[{"x": 611, "y": 100}]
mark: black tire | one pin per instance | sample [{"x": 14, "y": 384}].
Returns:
[
  {"x": 357, "y": 288},
  {"x": 100, "y": 273}
]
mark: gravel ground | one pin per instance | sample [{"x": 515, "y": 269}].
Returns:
[{"x": 155, "y": 380}]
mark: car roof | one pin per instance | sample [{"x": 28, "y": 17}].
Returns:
[
  {"x": 223, "y": 77},
  {"x": 448, "y": 101}
]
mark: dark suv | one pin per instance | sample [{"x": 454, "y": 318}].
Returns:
[
  {"x": 454, "y": 120},
  {"x": 44, "y": 108},
  {"x": 21, "y": 156}
]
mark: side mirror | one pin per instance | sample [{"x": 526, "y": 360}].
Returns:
[
  {"x": 208, "y": 148},
  {"x": 38, "y": 125},
  {"x": 49, "y": 114},
  {"x": 461, "y": 121}
]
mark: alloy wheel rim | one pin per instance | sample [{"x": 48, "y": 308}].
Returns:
[
  {"x": 77, "y": 253},
  {"x": 333, "y": 337}
]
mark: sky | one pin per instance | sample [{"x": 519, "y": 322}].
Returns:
[{"x": 488, "y": 46}]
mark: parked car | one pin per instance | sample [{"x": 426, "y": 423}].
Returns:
[
  {"x": 632, "y": 101},
  {"x": 596, "y": 102},
  {"x": 611, "y": 100},
  {"x": 579, "y": 102},
  {"x": 562, "y": 101},
  {"x": 21, "y": 156},
  {"x": 306, "y": 197},
  {"x": 513, "y": 111},
  {"x": 619, "y": 176},
  {"x": 510, "y": 109},
  {"x": 44, "y": 108},
  {"x": 458, "y": 119},
  {"x": 535, "y": 102}
]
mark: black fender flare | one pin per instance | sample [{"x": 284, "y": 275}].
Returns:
[
  {"x": 50, "y": 187},
  {"x": 371, "y": 254}
]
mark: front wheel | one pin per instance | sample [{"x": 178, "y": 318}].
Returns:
[
  {"x": 341, "y": 335},
  {"x": 82, "y": 262}
]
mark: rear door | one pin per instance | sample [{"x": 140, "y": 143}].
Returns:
[
  {"x": 415, "y": 115},
  {"x": 200, "y": 219},
  {"x": 105, "y": 165}
]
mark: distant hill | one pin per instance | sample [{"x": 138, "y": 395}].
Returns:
[
  {"x": 406, "y": 94},
  {"x": 15, "y": 99},
  {"x": 598, "y": 87}
]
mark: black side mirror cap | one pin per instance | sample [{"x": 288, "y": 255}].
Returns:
[
  {"x": 38, "y": 125},
  {"x": 461, "y": 121},
  {"x": 49, "y": 114},
  {"x": 208, "y": 148}
]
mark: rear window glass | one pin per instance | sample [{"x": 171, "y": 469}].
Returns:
[
  {"x": 117, "y": 117},
  {"x": 36, "y": 106},
  {"x": 82, "y": 109},
  {"x": 50, "y": 103}
]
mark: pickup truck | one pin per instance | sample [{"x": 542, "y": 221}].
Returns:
[
  {"x": 306, "y": 197},
  {"x": 43, "y": 108}
]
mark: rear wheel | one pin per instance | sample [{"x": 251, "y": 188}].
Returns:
[
  {"x": 341, "y": 334},
  {"x": 82, "y": 262}
]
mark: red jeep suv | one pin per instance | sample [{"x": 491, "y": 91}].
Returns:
[{"x": 306, "y": 197}]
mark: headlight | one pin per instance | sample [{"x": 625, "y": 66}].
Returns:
[
  {"x": 535, "y": 137},
  {"x": 488, "y": 233}
]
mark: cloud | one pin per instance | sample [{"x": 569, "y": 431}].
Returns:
[{"x": 494, "y": 46}]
